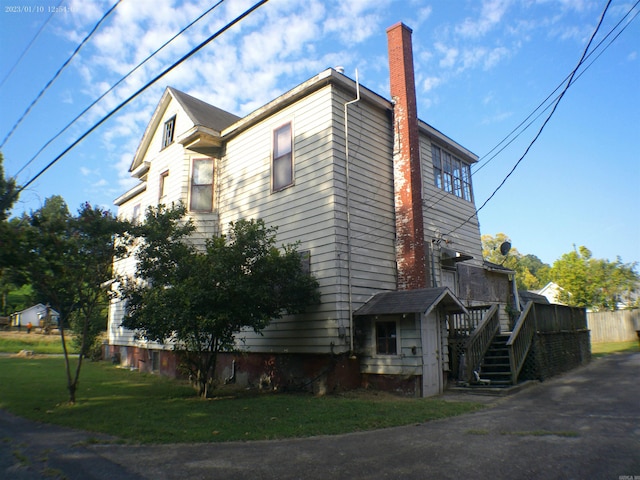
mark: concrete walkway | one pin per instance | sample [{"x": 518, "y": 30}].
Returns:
[{"x": 581, "y": 425}]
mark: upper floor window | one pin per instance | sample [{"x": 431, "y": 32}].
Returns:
[
  {"x": 202, "y": 185},
  {"x": 386, "y": 338},
  {"x": 282, "y": 159},
  {"x": 451, "y": 174},
  {"x": 135, "y": 216},
  {"x": 162, "y": 188},
  {"x": 169, "y": 130}
]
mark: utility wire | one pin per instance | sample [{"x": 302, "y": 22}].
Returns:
[
  {"x": 480, "y": 166},
  {"x": 24, "y": 52},
  {"x": 114, "y": 86},
  {"x": 57, "y": 74},
  {"x": 443, "y": 194},
  {"x": 571, "y": 76},
  {"x": 147, "y": 85}
]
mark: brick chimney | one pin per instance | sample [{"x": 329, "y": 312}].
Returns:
[{"x": 410, "y": 248}]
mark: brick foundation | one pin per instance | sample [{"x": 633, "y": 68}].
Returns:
[{"x": 320, "y": 374}]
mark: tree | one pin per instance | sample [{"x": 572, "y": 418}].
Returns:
[
  {"x": 70, "y": 259},
  {"x": 8, "y": 192},
  {"x": 531, "y": 272},
  {"x": 10, "y": 239},
  {"x": 593, "y": 283},
  {"x": 200, "y": 299}
]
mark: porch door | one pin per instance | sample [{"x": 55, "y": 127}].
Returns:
[{"x": 431, "y": 365}]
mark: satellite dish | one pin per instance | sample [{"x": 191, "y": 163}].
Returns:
[{"x": 505, "y": 247}]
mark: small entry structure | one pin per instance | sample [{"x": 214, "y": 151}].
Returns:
[{"x": 402, "y": 339}]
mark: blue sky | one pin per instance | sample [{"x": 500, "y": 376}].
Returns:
[{"x": 482, "y": 66}]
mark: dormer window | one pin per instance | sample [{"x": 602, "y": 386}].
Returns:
[{"x": 169, "y": 129}]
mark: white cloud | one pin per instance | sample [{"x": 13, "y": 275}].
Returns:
[
  {"x": 449, "y": 55},
  {"x": 491, "y": 14},
  {"x": 430, "y": 83}
]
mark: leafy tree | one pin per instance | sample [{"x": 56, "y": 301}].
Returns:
[
  {"x": 70, "y": 259},
  {"x": 593, "y": 283},
  {"x": 8, "y": 192},
  {"x": 531, "y": 272},
  {"x": 200, "y": 299},
  {"x": 10, "y": 239}
]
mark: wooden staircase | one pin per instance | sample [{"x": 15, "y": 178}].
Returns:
[{"x": 495, "y": 365}]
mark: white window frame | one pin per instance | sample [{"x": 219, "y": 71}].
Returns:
[
  {"x": 451, "y": 174},
  {"x": 193, "y": 186},
  {"x": 168, "y": 132},
  {"x": 278, "y": 157}
]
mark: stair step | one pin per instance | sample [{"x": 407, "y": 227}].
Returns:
[
  {"x": 492, "y": 367},
  {"x": 505, "y": 375}
]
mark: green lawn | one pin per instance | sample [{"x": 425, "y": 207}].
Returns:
[
  {"x": 14, "y": 341},
  {"x": 151, "y": 409},
  {"x": 601, "y": 349}
]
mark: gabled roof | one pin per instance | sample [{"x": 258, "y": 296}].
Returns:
[
  {"x": 203, "y": 114},
  {"x": 422, "y": 300}
]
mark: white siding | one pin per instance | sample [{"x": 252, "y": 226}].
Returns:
[
  {"x": 408, "y": 361},
  {"x": 313, "y": 210},
  {"x": 177, "y": 161},
  {"x": 444, "y": 212}
]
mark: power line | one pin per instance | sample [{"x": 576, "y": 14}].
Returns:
[
  {"x": 24, "y": 52},
  {"x": 57, "y": 74},
  {"x": 114, "y": 86},
  {"x": 443, "y": 194},
  {"x": 479, "y": 166},
  {"x": 571, "y": 76},
  {"x": 147, "y": 85}
]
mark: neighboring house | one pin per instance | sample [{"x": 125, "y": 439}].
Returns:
[
  {"x": 381, "y": 201},
  {"x": 551, "y": 291},
  {"x": 36, "y": 315}
]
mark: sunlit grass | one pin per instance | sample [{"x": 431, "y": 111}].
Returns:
[
  {"x": 601, "y": 349},
  {"x": 151, "y": 409},
  {"x": 14, "y": 342}
]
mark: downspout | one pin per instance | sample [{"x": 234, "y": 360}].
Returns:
[
  {"x": 348, "y": 201},
  {"x": 516, "y": 298},
  {"x": 434, "y": 284}
]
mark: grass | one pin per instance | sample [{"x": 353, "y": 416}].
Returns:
[
  {"x": 146, "y": 408},
  {"x": 601, "y": 349},
  {"x": 13, "y": 342}
]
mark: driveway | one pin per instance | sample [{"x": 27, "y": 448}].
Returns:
[{"x": 581, "y": 425}]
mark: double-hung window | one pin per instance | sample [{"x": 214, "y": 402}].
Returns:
[
  {"x": 162, "y": 188},
  {"x": 282, "y": 159},
  {"x": 202, "y": 185}
]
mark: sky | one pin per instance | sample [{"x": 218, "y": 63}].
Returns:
[{"x": 482, "y": 68}]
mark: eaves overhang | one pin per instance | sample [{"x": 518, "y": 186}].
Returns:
[
  {"x": 131, "y": 193},
  {"x": 423, "y": 301},
  {"x": 329, "y": 76}
]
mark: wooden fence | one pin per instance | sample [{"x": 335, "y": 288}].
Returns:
[{"x": 618, "y": 326}]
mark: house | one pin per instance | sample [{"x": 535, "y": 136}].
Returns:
[
  {"x": 551, "y": 291},
  {"x": 35, "y": 315},
  {"x": 381, "y": 201}
]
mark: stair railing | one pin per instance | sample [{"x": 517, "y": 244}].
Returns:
[
  {"x": 520, "y": 340},
  {"x": 479, "y": 341}
]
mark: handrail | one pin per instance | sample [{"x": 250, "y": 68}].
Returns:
[
  {"x": 520, "y": 340},
  {"x": 479, "y": 341}
]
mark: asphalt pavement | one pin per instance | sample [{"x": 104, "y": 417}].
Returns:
[{"x": 584, "y": 424}]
